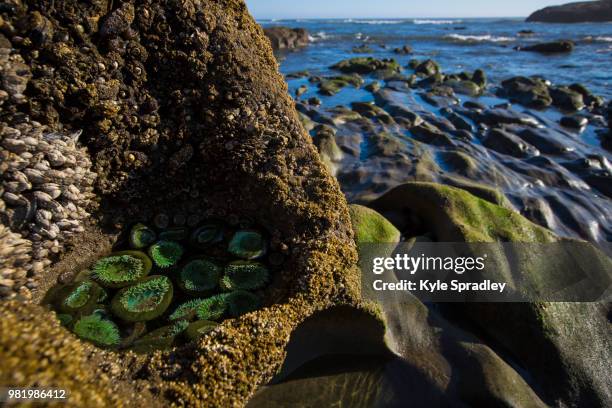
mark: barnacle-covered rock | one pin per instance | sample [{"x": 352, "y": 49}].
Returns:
[
  {"x": 166, "y": 253},
  {"x": 143, "y": 301},
  {"x": 244, "y": 275},
  {"x": 122, "y": 268},
  {"x": 15, "y": 261},
  {"x": 248, "y": 245},
  {"x": 199, "y": 276}
]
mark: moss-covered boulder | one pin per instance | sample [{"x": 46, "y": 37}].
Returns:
[
  {"x": 371, "y": 227},
  {"x": 366, "y": 65}
]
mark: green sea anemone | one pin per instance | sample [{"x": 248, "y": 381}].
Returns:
[
  {"x": 174, "y": 234},
  {"x": 207, "y": 235},
  {"x": 159, "y": 339},
  {"x": 186, "y": 311},
  {"x": 212, "y": 308},
  {"x": 121, "y": 269},
  {"x": 200, "y": 275},
  {"x": 247, "y": 245},
  {"x": 79, "y": 296},
  {"x": 141, "y": 236},
  {"x": 198, "y": 329},
  {"x": 143, "y": 301},
  {"x": 166, "y": 253},
  {"x": 241, "y": 302},
  {"x": 97, "y": 330},
  {"x": 244, "y": 275}
]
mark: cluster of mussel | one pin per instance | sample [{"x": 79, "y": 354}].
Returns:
[{"x": 168, "y": 285}]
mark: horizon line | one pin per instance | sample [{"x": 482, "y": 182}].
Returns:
[{"x": 382, "y": 18}]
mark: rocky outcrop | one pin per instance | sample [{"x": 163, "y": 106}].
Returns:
[
  {"x": 555, "y": 47},
  {"x": 586, "y": 11},
  {"x": 285, "y": 38}
]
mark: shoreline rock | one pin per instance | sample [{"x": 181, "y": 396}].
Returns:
[
  {"x": 580, "y": 12},
  {"x": 285, "y": 38}
]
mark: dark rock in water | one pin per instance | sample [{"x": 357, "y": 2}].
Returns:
[
  {"x": 373, "y": 86},
  {"x": 509, "y": 143},
  {"x": 430, "y": 134},
  {"x": 548, "y": 141},
  {"x": 595, "y": 170},
  {"x": 581, "y": 12},
  {"x": 474, "y": 105},
  {"x": 457, "y": 120},
  {"x": 566, "y": 99},
  {"x": 332, "y": 85},
  {"x": 555, "y": 47},
  {"x": 590, "y": 100},
  {"x": 285, "y": 38},
  {"x": 480, "y": 78},
  {"x": 496, "y": 117},
  {"x": 406, "y": 49},
  {"x": 362, "y": 49},
  {"x": 463, "y": 135},
  {"x": 469, "y": 88},
  {"x": 298, "y": 74},
  {"x": 574, "y": 122},
  {"x": 366, "y": 65},
  {"x": 530, "y": 92},
  {"x": 301, "y": 91},
  {"x": 314, "y": 101},
  {"x": 428, "y": 68},
  {"x": 526, "y": 33}
]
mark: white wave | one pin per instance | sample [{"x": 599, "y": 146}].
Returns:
[
  {"x": 321, "y": 35},
  {"x": 436, "y": 22},
  {"x": 479, "y": 38},
  {"x": 373, "y": 22},
  {"x": 600, "y": 38}
]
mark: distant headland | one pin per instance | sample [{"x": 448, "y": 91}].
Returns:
[{"x": 581, "y": 12}]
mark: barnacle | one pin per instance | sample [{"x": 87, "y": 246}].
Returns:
[
  {"x": 166, "y": 253},
  {"x": 241, "y": 302},
  {"x": 198, "y": 329},
  {"x": 121, "y": 269},
  {"x": 159, "y": 339},
  {"x": 141, "y": 236},
  {"x": 199, "y": 275},
  {"x": 79, "y": 296},
  {"x": 186, "y": 311},
  {"x": 207, "y": 235},
  {"x": 99, "y": 331},
  {"x": 212, "y": 308},
  {"x": 247, "y": 244},
  {"x": 244, "y": 275},
  {"x": 143, "y": 301}
]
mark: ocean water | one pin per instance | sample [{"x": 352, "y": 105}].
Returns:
[{"x": 461, "y": 44}]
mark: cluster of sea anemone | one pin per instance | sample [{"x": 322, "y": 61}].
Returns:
[{"x": 168, "y": 285}]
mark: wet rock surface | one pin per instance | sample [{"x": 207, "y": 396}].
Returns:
[{"x": 285, "y": 38}]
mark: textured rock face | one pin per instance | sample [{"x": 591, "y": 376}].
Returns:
[
  {"x": 586, "y": 11},
  {"x": 182, "y": 112},
  {"x": 285, "y": 38}
]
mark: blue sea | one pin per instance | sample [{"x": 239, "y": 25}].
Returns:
[{"x": 461, "y": 44}]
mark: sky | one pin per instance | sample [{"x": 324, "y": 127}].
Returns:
[{"x": 268, "y": 9}]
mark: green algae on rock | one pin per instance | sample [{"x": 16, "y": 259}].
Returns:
[
  {"x": 99, "y": 331},
  {"x": 121, "y": 269},
  {"x": 199, "y": 275},
  {"x": 166, "y": 253},
  {"x": 371, "y": 227},
  {"x": 244, "y": 275},
  {"x": 366, "y": 65},
  {"x": 248, "y": 245},
  {"x": 143, "y": 301},
  {"x": 142, "y": 236}
]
